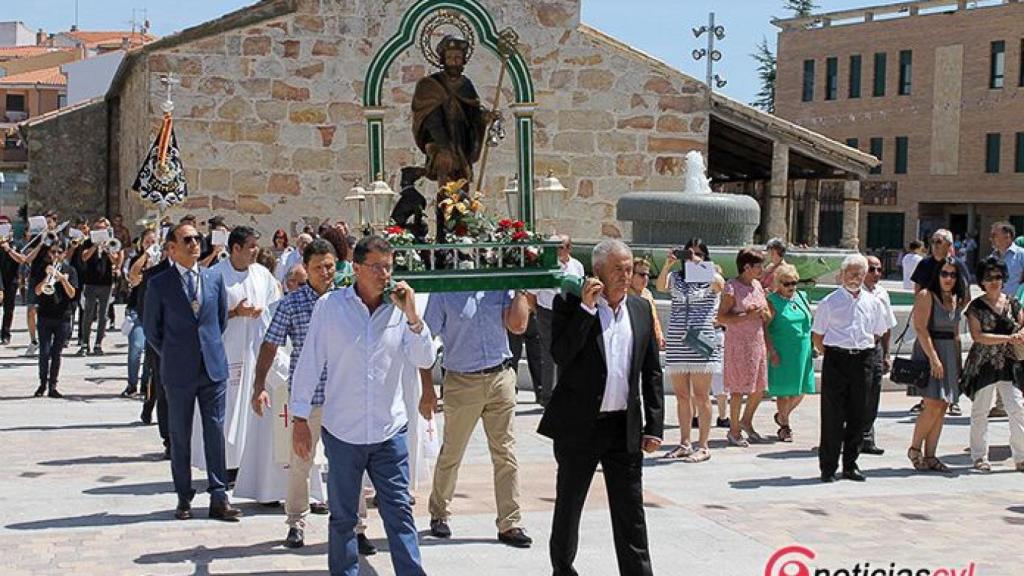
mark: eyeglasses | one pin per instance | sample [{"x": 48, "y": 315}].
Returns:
[
  {"x": 874, "y": 268},
  {"x": 644, "y": 274},
  {"x": 790, "y": 284},
  {"x": 945, "y": 274},
  {"x": 996, "y": 278},
  {"x": 195, "y": 238},
  {"x": 379, "y": 268}
]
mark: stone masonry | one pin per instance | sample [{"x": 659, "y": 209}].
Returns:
[{"x": 272, "y": 128}]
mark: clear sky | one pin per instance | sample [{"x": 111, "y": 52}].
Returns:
[{"x": 659, "y": 27}]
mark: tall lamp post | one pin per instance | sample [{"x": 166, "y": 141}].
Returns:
[{"x": 714, "y": 32}]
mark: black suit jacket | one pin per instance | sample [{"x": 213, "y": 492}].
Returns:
[{"x": 578, "y": 349}]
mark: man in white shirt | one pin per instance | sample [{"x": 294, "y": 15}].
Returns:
[
  {"x": 910, "y": 261},
  {"x": 364, "y": 416},
  {"x": 847, "y": 325},
  {"x": 545, "y": 302},
  {"x": 882, "y": 361}
]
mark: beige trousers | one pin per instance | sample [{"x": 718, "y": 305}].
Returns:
[
  {"x": 469, "y": 398},
  {"x": 296, "y": 506}
]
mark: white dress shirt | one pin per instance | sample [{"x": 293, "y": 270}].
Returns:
[
  {"x": 848, "y": 322},
  {"x": 617, "y": 333},
  {"x": 909, "y": 264},
  {"x": 546, "y": 298},
  {"x": 365, "y": 356},
  {"x": 883, "y": 296},
  {"x": 183, "y": 272}
]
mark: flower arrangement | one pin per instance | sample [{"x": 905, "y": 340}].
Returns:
[
  {"x": 464, "y": 214},
  {"x": 404, "y": 259},
  {"x": 514, "y": 232}
]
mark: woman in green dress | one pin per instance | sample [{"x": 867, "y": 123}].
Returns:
[
  {"x": 343, "y": 275},
  {"x": 788, "y": 340}
]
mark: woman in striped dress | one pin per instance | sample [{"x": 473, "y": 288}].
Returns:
[{"x": 689, "y": 367}]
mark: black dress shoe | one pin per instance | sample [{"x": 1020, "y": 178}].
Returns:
[
  {"x": 146, "y": 418},
  {"x": 318, "y": 508},
  {"x": 722, "y": 423},
  {"x": 167, "y": 453},
  {"x": 872, "y": 450},
  {"x": 854, "y": 474},
  {"x": 295, "y": 539},
  {"x": 41, "y": 390},
  {"x": 225, "y": 512},
  {"x": 829, "y": 478},
  {"x": 128, "y": 392},
  {"x": 183, "y": 511},
  {"x": 54, "y": 394},
  {"x": 440, "y": 529},
  {"x": 515, "y": 537},
  {"x": 366, "y": 548}
]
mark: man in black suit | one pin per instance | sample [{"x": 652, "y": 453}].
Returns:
[{"x": 607, "y": 355}]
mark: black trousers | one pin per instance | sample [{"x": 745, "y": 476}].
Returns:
[
  {"x": 535, "y": 357},
  {"x": 874, "y": 395},
  {"x": 155, "y": 395},
  {"x": 622, "y": 477},
  {"x": 845, "y": 379},
  {"x": 10, "y": 299},
  {"x": 53, "y": 334},
  {"x": 544, "y": 320}
]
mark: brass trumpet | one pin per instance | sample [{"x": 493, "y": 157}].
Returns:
[
  {"x": 51, "y": 280},
  {"x": 112, "y": 246}
]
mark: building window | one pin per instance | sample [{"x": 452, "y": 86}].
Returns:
[
  {"x": 997, "y": 66},
  {"x": 906, "y": 71},
  {"x": 808, "y": 80},
  {"x": 62, "y": 100},
  {"x": 992, "y": 146},
  {"x": 879, "y": 89},
  {"x": 16, "y": 103},
  {"x": 1019, "y": 164},
  {"x": 852, "y": 142},
  {"x": 854, "y": 76},
  {"x": 902, "y": 144},
  {"x": 831, "y": 78},
  {"x": 876, "y": 151}
]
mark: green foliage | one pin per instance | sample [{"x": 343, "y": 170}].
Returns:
[
  {"x": 800, "y": 8},
  {"x": 766, "y": 69}
]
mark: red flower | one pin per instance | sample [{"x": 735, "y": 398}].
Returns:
[
  {"x": 519, "y": 225},
  {"x": 505, "y": 223},
  {"x": 461, "y": 230},
  {"x": 520, "y": 236},
  {"x": 395, "y": 230}
]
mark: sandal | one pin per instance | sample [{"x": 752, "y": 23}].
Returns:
[
  {"x": 785, "y": 434},
  {"x": 933, "y": 463},
  {"x": 982, "y": 465},
  {"x": 954, "y": 410},
  {"x": 752, "y": 435},
  {"x": 681, "y": 451},
  {"x": 740, "y": 441},
  {"x": 916, "y": 458},
  {"x": 699, "y": 455}
]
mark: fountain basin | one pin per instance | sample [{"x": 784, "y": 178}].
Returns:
[{"x": 674, "y": 217}]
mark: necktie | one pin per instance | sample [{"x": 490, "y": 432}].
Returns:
[{"x": 190, "y": 284}]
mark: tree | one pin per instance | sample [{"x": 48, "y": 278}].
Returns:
[
  {"x": 801, "y": 8},
  {"x": 766, "y": 68}
]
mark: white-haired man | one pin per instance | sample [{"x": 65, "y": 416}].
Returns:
[
  {"x": 847, "y": 325},
  {"x": 607, "y": 353}
]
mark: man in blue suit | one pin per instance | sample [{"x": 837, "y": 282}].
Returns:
[{"x": 184, "y": 317}]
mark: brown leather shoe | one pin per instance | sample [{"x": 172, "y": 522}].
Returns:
[
  {"x": 225, "y": 512},
  {"x": 183, "y": 511}
]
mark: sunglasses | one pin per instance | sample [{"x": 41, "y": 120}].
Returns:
[
  {"x": 997, "y": 278},
  {"x": 790, "y": 284},
  {"x": 874, "y": 268},
  {"x": 195, "y": 238},
  {"x": 945, "y": 274},
  {"x": 938, "y": 242},
  {"x": 644, "y": 274}
]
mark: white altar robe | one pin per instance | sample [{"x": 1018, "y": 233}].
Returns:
[{"x": 242, "y": 340}]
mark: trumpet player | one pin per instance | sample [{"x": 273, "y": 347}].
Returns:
[
  {"x": 55, "y": 295},
  {"x": 100, "y": 266},
  {"x": 10, "y": 261}
]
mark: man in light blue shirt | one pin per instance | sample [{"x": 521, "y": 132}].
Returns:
[
  {"x": 1003, "y": 247},
  {"x": 479, "y": 384},
  {"x": 364, "y": 342}
]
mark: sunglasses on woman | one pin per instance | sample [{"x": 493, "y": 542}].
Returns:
[
  {"x": 789, "y": 284},
  {"x": 948, "y": 275}
]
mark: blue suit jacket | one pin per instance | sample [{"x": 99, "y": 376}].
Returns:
[{"x": 184, "y": 342}]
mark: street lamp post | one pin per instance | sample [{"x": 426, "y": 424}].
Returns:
[{"x": 714, "y": 32}]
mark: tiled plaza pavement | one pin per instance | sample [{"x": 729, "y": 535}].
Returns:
[{"x": 82, "y": 491}]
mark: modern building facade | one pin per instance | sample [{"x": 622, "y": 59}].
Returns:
[{"x": 935, "y": 90}]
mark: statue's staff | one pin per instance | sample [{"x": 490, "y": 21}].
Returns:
[{"x": 507, "y": 41}]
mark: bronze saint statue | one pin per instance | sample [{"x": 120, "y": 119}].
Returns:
[{"x": 448, "y": 120}]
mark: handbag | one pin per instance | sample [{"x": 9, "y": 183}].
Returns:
[
  {"x": 702, "y": 343},
  {"x": 907, "y": 371}
]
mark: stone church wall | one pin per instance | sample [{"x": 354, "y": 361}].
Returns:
[{"x": 271, "y": 125}]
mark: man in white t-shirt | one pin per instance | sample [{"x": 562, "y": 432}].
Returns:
[
  {"x": 910, "y": 261},
  {"x": 545, "y": 300}
]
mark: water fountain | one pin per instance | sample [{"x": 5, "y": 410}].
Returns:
[{"x": 671, "y": 218}]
